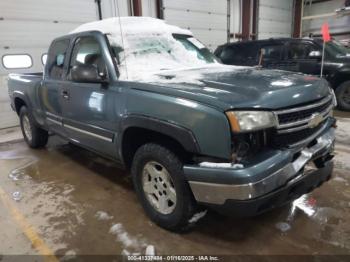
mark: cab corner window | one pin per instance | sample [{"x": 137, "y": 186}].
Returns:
[
  {"x": 56, "y": 58},
  {"x": 17, "y": 61}
]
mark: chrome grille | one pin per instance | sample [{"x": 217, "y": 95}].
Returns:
[{"x": 299, "y": 118}]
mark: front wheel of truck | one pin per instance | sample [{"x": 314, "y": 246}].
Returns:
[
  {"x": 34, "y": 136},
  {"x": 161, "y": 187}
]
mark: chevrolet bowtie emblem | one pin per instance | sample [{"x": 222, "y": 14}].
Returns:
[{"x": 315, "y": 120}]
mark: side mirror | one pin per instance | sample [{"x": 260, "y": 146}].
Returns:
[
  {"x": 315, "y": 54},
  {"x": 87, "y": 74}
]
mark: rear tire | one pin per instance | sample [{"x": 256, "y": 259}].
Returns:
[
  {"x": 34, "y": 136},
  {"x": 343, "y": 96},
  {"x": 151, "y": 190}
]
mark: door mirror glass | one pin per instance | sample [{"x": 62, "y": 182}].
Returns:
[
  {"x": 87, "y": 74},
  {"x": 315, "y": 54}
]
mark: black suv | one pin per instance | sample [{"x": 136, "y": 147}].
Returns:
[{"x": 298, "y": 55}]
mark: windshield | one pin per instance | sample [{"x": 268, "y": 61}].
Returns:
[
  {"x": 156, "y": 52},
  {"x": 337, "y": 49}
]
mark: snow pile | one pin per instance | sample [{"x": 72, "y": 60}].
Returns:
[
  {"x": 132, "y": 245},
  {"x": 196, "y": 217},
  {"x": 144, "y": 46},
  {"x": 101, "y": 215}
]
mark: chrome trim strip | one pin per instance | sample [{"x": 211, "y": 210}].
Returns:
[
  {"x": 218, "y": 193},
  {"x": 53, "y": 115},
  {"x": 295, "y": 109},
  {"x": 54, "y": 121},
  {"x": 88, "y": 133},
  {"x": 306, "y": 120}
]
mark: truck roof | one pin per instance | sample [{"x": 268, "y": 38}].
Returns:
[{"x": 131, "y": 25}]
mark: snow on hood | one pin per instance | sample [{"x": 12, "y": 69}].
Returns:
[{"x": 145, "y": 46}]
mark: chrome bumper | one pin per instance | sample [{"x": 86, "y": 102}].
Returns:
[{"x": 214, "y": 193}]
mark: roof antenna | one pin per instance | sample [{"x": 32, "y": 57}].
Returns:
[{"x": 121, "y": 32}]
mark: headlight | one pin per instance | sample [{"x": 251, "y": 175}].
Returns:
[{"x": 244, "y": 121}]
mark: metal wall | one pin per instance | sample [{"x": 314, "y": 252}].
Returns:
[
  {"x": 322, "y": 12},
  {"x": 206, "y": 19},
  {"x": 27, "y": 27},
  {"x": 275, "y": 18}
]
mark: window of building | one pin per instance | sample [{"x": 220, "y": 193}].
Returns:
[{"x": 17, "y": 61}]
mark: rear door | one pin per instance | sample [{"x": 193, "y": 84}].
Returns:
[
  {"x": 240, "y": 54},
  {"x": 89, "y": 108},
  {"x": 298, "y": 55},
  {"x": 51, "y": 91}
]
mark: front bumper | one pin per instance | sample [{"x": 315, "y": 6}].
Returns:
[{"x": 279, "y": 169}]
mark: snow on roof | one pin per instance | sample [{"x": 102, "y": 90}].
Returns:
[
  {"x": 131, "y": 25},
  {"x": 148, "y": 46}
]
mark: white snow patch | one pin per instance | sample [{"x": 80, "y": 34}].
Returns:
[
  {"x": 220, "y": 165},
  {"x": 196, "y": 217},
  {"x": 16, "y": 196},
  {"x": 145, "y": 46},
  {"x": 283, "y": 226},
  {"x": 150, "y": 250},
  {"x": 101, "y": 215},
  {"x": 132, "y": 245},
  {"x": 70, "y": 254}
]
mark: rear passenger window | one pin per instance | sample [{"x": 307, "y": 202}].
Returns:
[
  {"x": 300, "y": 50},
  {"x": 56, "y": 58},
  {"x": 273, "y": 52},
  {"x": 17, "y": 61}
]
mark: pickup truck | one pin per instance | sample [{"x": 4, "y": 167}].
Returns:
[
  {"x": 195, "y": 133},
  {"x": 297, "y": 55}
]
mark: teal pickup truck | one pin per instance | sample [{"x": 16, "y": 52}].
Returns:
[{"x": 194, "y": 133}]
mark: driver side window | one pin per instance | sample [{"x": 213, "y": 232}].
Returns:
[{"x": 87, "y": 51}]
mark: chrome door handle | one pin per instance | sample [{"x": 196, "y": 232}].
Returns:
[{"x": 65, "y": 94}]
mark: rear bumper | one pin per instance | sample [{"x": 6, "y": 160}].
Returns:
[{"x": 280, "y": 175}]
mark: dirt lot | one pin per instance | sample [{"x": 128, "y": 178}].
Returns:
[{"x": 64, "y": 200}]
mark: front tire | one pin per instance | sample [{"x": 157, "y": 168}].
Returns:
[
  {"x": 34, "y": 136},
  {"x": 161, "y": 187},
  {"x": 343, "y": 96}
]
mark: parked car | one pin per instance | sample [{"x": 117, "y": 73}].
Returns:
[
  {"x": 297, "y": 55},
  {"x": 195, "y": 133}
]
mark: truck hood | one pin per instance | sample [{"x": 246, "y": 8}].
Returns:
[{"x": 228, "y": 87}]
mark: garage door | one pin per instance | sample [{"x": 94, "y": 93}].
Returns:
[
  {"x": 275, "y": 18},
  {"x": 27, "y": 28},
  {"x": 206, "y": 19}
]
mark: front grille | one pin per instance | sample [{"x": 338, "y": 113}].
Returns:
[
  {"x": 298, "y": 123},
  {"x": 286, "y": 118},
  {"x": 287, "y": 139}
]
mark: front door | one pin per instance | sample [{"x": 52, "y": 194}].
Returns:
[
  {"x": 89, "y": 107},
  {"x": 272, "y": 56}
]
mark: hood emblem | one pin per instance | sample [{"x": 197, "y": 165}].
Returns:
[{"x": 315, "y": 120}]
